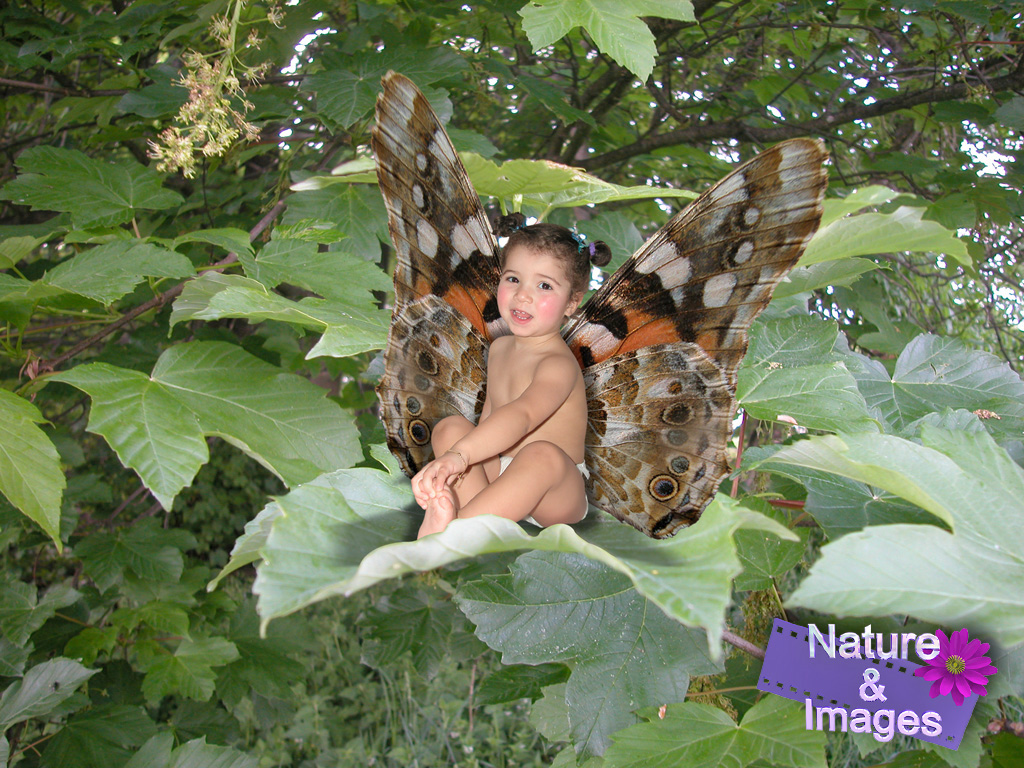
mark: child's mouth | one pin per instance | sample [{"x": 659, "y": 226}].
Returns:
[{"x": 519, "y": 315}]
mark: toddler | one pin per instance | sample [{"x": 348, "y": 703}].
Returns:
[{"x": 524, "y": 460}]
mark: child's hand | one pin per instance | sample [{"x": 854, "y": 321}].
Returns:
[{"x": 433, "y": 478}]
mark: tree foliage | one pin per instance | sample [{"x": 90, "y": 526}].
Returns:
[{"x": 194, "y": 273}]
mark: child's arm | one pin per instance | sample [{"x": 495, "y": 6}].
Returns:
[{"x": 505, "y": 426}]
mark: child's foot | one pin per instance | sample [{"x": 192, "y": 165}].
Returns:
[{"x": 440, "y": 511}]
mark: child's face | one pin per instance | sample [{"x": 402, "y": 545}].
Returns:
[{"x": 534, "y": 293}]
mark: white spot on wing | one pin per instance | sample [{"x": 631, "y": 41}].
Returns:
[
  {"x": 744, "y": 252},
  {"x": 426, "y": 238},
  {"x": 658, "y": 258},
  {"x": 718, "y": 289},
  {"x": 462, "y": 240},
  {"x": 421, "y": 162},
  {"x": 417, "y": 195},
  {"x": 751, "y": 215}
]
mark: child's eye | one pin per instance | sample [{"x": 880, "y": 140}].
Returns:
[
  {"x": 511, "y": 279},
  {"x": 546, "y": 286}
]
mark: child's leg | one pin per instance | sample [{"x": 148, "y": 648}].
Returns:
[
  {"x": 541, "y": 481},
  {"x": 443, "y": 506}
]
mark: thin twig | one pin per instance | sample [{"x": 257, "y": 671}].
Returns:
[{"x": 744, "y": 645}]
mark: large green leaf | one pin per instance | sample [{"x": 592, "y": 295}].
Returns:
[
  {"x": 838, "y": 504},
  {"x": 94, "y": 192},
  {"x": 346, "y": 330},
  {"x": 559, "y": 607},
  {"x": 99, "y": 737},
  {"x": 934, "y": 373},
  {"x": 148, "y": 426},
  {"x": 212, "y": 388},
  {"x": 334, "y": 275},
  {"x": 871, "y": 233},
  {"x": 41, "y": 689},
  {"x": 968, "y": 577},
  {"x": 544, "y": 185},
  {"x": 701, "y": 736},
  {"x": 107, "y": 272},
  {"x": 350, "y": 529},
  {"x": 357, "y": 210},
  {"x": 837, "y": 207},
  {"x": 842, "y": 272},
  {"x": 30, "y": 474},
  {"x": 614, "y": 25},
  {"x": 346, "y": 93},
  {"x": 22, "y": 613},
  {"x": 790, "y": 369},
  {"x": 188, "y": 671}
]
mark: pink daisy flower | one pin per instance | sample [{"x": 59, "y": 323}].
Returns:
[{"x": 960, "y": 668}]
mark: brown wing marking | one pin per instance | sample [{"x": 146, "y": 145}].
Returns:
[{"x": 436, "y": 363}]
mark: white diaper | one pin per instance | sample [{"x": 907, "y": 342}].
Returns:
[{"x": 504, "y": 461}]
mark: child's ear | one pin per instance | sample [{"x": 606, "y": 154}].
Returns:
[{"x": 574, "y": 303}]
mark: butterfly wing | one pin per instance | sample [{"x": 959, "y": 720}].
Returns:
[
  {"x": 445, "y": 312},
  {"x": 662, "y": 339}
]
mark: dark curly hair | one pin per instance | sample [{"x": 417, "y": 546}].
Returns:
[{"x": 560, "y": 242}]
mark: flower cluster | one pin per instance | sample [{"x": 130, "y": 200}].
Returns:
[
  {"x": 960, "y": 668},
  {"x": 211, "y": 122}
]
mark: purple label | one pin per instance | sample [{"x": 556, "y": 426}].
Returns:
[{"x": 865, "y": 694}]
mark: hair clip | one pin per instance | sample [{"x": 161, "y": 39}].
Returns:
[{"x": 580, "y": 241}]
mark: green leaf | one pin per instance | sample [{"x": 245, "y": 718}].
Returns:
[
  {"x": 331, "y": 534},
  {"x": 161, "y": 98},
  {"x": 1011, "y": 113},
  {"x": 614, "y": 25},
  {"x": 146, "y": 549},
  {"x": 226, "y": 238},
  {"x": 198, "y": 754},
  {"x": 790, "y": 370},
  {"x": 42, "y": 688},
  {"x": 421, "y": 623},
  {"x": 556, "y": 607},
  {"x": 838, "y": 504},
  {"x": 107, "y": 272},
  {"x": 701, "y": 736},
  {"x": 545, "y": 185},
  {"x": 281, "y": 420},
  {"x": 843, "y": 272},
  {"x": 247, "y": 547},
  {"x": 99, "y": 737},
  {"x": 188, "y": 671},
  {"x": 335, "y": 275},
  {"x": 346, "y": 94},
  {"x": 265, "y": 665},
  {"x": 13, "y": 657},
  {"x": 934, "y": 373},
  {"x": 346, "y": 330},
  {"x": 30, "y": 473},
  {"x": 356, "y": 210},
  {"x": 520, "y": 681},
  {"x": 21, "y": 615},
  {"x": 94, "y": 192},
  {"x": 866, "y": 197},
  {"x": 152, "y": 431},
  {"x": 764, "y": 556},
  {"x": 968, "y": 576},
  {"x": 871, "y": 233}
]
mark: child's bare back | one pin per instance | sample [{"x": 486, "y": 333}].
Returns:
[{"x": 524, "y": 459}]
